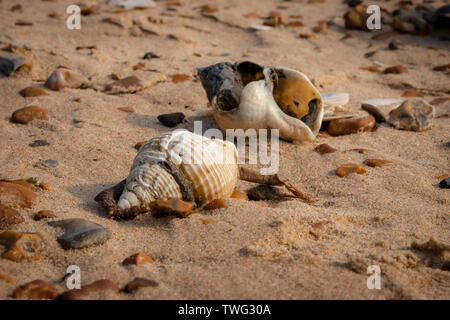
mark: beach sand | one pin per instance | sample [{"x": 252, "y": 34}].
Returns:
[{"x": 252, "y": 249}]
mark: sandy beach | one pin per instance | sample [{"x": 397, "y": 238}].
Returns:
[{"x": 251, "y": 249}]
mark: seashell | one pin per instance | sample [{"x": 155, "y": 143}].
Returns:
[
  {"x": 180, "y": 165},
  {"x": 246, "y": 95},
  {"x": 335, "y": 99}
]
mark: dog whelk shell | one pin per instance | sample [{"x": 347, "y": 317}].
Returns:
[
  {"x": 180, "y": 165},
  {"x": 246, "y": 95}
]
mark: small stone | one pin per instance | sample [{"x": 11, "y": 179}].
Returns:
[
  {"x": 356, "y": 18},
  {"x": 371, "y": 69},
  {"x": 411, "y": 94},
  {"x": 346, "y": 169},
  {"x": 378, "y": 163},
  {"x": 137, "y": 259},
  {"x": 177, "y": 207},
  {"x": 359, "y": 150},
  {"x": 239, "y": 195},
  {"x": 114, "y": 76},
  {"x": 321, "y": 27},
  {"x": 353, "y": 125},
  {"x": 207, "y": 221},
  {"x": 23, "y": 23},
  {"x": 442, "y": 67},
  {"x": 139, "y": 145},
  {"x": 295, "y": 24},
  {"x": 176, "y": 78},
  {"x": 39, "y": 143},
  {"x": 18, "y": 193},
  {"x": 308, "y": 36},
  {"x": 20, "y": 246},
  {"x": 6, "y": 279},
  {"x": 16, "y": 7},
  {"x": 126, "y": 109},
  {"x": 45, "y": 186},
  {"x": 44, "y": 214},
  {"x": 33, "y": 91},
  {"x": 252, "y": 15},
  {"x": 273, "y": 21},
  {"x": 395, "y": 45},
  {"x": 9, "y": 217},
  {"x": 375, "y": 111},
  {"x": 445, "y": 183},
  {"x": 27, "y": 114},
  {"x": 95, "y": 287},
  {"x": 138, "y": 283},
  {"x": 395, "y": 70},
  {"x": 324, "y": 149},
  {"x": 13, "y": 62},
  {"x": 150, "y": 55},
  {"x": 139, "y": 66},
  {"x": 413, "y": 114},
  {"x": 49, "y": 163},
  {"x": 196, "y": 54},
  {"x": 80, "y": 233},
  {"x": 215, "y": 204},
  {"x": 410, "y": 21},
  {"x": 63, "y": 78},
  {"x": 171, "y": 119},
  {"x": 175, "y": 3},
  {"x": 36, "y": 290},
  {"x": 207, "y": 8}
]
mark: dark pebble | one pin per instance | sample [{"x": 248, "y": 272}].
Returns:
[
  {"x": 445, "y": 183},
  {"x": 171, "y": 119},
  {"x": 39, "y": 143}
]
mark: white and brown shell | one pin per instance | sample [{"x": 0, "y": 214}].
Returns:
[
  {"x": 246, "y": 95},
  {"x": 178, "y": 164}
]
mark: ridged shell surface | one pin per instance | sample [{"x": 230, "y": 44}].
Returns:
[{"x": 210, "y": 165}]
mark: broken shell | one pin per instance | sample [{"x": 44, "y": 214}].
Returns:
[
  {"x": 180, "y": 165},
  {"x": 246, "y": 95}
]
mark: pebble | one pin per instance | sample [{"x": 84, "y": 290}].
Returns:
[
  {"x": 395, "y": 45},
  {"x": 137, "y": 259},
  {"x": 356, "y": 18},
  {"x": 410, "y": 21},
  {"x": 49, "y": 163},
  {"x": 375, "y": 111},
  {"x": 126, "y": 109},
  {"x": 39, "y": 143},
  {"x": 308, "y": 36},
  {"x": 176, "y": 78},
  {"x": 353, "y": 125},
  {"x": 139, "y": 145},
  {"x": 395, "y": 70},
  {"x": 17, "y": 193},
  {"x": 80, "y": 233},
  {"x": 44, "y": 214},
  {"x": 33, "y": 91},
  {"x": 321, "y": 27},
  {"x": 252, "y": 15},
  {"x": 63, "y": 78},
  {"x": 216, "y": 204},
  {"x": 36, "y": 290},
  {"x": 298, "y": 23},
  {"x": 413, "y": 115},
  {"x": 85, "y": 291},
  {"x": 445, "y": 183},
  {"x": 150, "y": 55},
  {"x": 171, "y": 119},
  {"x": 27, "y": 114},
  {"x": 207, "y": 221},
  {"x": 45, "y": 186},
  {"x": 239, "y": 195},
  {"x": 207, "y": 8},
  {"x": 325, "y": 148},
  {"x": 13, "y": 62},
  {"x": 20, "y": 246},
  {"x": 9, "y": 217},
  {"x": 177, "y": 207},
  {"x": 411, "y": 94},
  {"x": 346, "y": 169},
  {"x": 6, "y": 279},
  {"x": 138, "y": 283},
  {"x": 378, "y": 163}
]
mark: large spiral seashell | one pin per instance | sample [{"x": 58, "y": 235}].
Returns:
[
  {"x": 178, "y": 164},
  {"x": 247, "y": 95}
]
